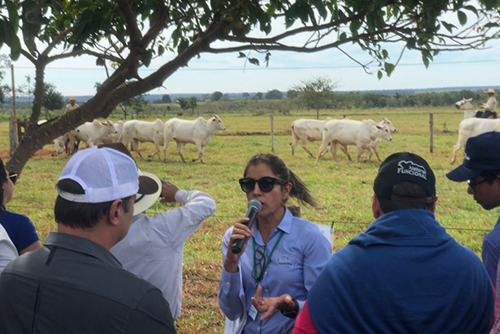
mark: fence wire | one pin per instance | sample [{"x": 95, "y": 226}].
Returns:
[{"x": 331, "y": 223}]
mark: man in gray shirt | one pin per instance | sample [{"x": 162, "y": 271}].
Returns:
[{"x": 74, "y": 284}]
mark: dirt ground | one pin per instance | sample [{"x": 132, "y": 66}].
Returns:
[{"x": 4, "y": 153}]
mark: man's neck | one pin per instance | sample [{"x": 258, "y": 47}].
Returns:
[{"x": 95, "y": 234}]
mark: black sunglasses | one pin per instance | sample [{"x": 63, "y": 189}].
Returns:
[
  {"x": 266, "y": 184},
  {"x": 13, "y": 177},
  {"x": 473, "y": 184}
]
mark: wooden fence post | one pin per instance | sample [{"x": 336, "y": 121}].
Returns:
[
  {"x": 13, "y": 121},
  {"x": 431, "y": 124},
  {"x": 272, "y": 133}
]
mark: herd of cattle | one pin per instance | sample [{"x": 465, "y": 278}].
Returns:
[
  {"x": 197, "y": 132},
  {"x": 365, "y": 135},
  {"x": 333, "y": 133}
]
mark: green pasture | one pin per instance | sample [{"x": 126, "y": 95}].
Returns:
[{"x": 343, "y": 189}]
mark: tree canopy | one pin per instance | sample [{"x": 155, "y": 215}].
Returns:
[
  {"x": 52, "y": 99},
  {"x": 124, "y": 36},
  {"x": 315, "y": 93}
]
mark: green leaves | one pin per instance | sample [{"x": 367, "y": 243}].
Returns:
[
  {"x": 389, "y": 68},
  {"x": 13, "y": 16},
  {"x": 462, "y": 18},
  {"x": 254, "y": 61},
  {"x": 448, "y": 26},
  {"x": 100, "y": 61}
]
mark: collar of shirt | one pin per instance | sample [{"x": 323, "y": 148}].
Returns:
[
  {"x": 285, "y": 226},
  {"x": 81, "y": 245}
]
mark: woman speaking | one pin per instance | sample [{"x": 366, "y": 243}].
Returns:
[{"x": 263, "y": 287}]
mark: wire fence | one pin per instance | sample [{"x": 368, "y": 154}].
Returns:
[{"x": 331, "y": 223}]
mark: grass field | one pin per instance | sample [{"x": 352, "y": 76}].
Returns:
[{"x": 343, "y": 189}]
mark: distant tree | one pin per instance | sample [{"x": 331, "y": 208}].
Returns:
[
  {"x": 206, "y": 97},
  {"x": 188, "y": 103},
  {"x": 225, "y": 97},
  {"x": 274, "y": 95},
  {"x": 245, "y": 96},
  {"x": 136, "y": 104},
  {"x": 216, "y": 96},
  {"x": 166, "y": 99},
  {"x": 292, "y": 93},
  {"x": 257, "y": 96},
  {"x": 26, "y": 88},
  {"x": 52, "y": 99},
  {"x": 193, "y": 103},
  {"x": 316, "y": 93}
]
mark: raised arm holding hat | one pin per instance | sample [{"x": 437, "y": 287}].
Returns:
[
  {"x": 154, "y": 247},
  {"x": 404, "y": 274},
  {"x": 73, "y": 284}
]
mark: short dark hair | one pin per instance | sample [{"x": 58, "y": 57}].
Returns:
[
  {"x": 404, "y": 189},
  {"x": 81, "y": 215}
]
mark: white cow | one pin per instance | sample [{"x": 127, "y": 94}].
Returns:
[
  {"x": 472, "y": 127},
  {"x": 198, "y": 132},
  {"x": 349, "y": 132},
  {"x": 385, "y": 122},
  {"x": 92, "y": 132},
  {"x": 114, "y": 137},
  {"x": 60, "y": 144},
  {"x": 307, "y": 130},
  {"x": 466, "y": 106},
  {"x": 389, "y": 124},
  {"x": 135, "y": 131}
]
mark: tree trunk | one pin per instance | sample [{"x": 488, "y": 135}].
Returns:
[{"x": 317, "y": 113}]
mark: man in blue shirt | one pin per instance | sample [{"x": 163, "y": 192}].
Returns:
[
  {"x": 404, "y": 274},
  {"x": 481, "y": 170}
]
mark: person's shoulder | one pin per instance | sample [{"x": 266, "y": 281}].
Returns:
[
  {"x": 305, "y": 225},
  {"x": 135, "y": 286},
  {"x": 494, "y": 234},
  {"x": 11, "y": 217}
]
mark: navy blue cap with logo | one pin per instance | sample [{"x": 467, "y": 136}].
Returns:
[
  {"x": 482, "y": 153},
  {"x": 405, "y": 167}
]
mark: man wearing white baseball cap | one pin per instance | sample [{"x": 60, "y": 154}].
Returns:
[{"x": 74, "y": 284}]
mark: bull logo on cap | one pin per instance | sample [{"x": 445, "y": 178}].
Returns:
[{"x": 411, "y": 168}]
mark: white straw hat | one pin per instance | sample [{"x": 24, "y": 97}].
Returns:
[
  {"x": 491, "y": 91},
  {"x": 144, "y": 199}
]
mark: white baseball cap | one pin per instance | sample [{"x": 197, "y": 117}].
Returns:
[{"x": 105, "y": 175}]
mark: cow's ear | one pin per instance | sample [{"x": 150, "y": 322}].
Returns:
[{"x": 378, "y": 127}]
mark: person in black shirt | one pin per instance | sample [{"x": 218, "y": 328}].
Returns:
[{"x": 73, "y": 284}]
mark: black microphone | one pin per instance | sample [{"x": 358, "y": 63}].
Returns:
[{"x": 254, "y": 206}]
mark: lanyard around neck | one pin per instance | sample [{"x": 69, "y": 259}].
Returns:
[{"x": 268, "y": 259}]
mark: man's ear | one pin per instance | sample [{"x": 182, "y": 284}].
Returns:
[
  {"x": 114, "y": 211},
  {"x": 377, "y": 212},
  {"x": 433, "y": 206}
]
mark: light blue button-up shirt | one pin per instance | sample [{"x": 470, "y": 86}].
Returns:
[{"x": 295, "y": 264}]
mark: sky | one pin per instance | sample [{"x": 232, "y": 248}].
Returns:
[{"x": 229, "y": 74}]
